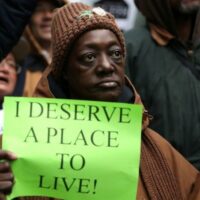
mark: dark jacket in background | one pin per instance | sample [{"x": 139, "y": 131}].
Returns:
[
  {"x": 14, "y": 15},
  {"x": 34, "y": 64},
  {"x": 166, "y": 73}
]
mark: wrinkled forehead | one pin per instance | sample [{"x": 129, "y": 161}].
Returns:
[
  {"x": 98, "y": 36},
  {"x": 96, "y": 40}
]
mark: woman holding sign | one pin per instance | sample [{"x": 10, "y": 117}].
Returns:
[{"x": 88, "y": 64}]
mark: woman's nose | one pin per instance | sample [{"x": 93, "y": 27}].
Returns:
[
  {"x": 105, "y": 64},
  {"x": 47, "y": 14}
]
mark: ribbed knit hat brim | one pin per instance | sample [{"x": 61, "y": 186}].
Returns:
[{"x": 69, "y": 23}]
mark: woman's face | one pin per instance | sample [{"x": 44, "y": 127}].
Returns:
[
  {"x": 95, "y": 69},
  {"x": 8, "y": 75}
]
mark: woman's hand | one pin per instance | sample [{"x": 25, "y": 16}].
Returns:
[{"x": 6, "y": 175}]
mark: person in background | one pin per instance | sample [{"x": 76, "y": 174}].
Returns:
[
  {"x": 11, "y": 81},
  {"x": 88, "y": 63},
  {"x": 163, "y": 62},
  {"x": 38, "y": 35},
  {"x": 11, "y": 84}
]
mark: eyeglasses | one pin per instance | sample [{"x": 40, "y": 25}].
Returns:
[{"x": 15, "y": 68}]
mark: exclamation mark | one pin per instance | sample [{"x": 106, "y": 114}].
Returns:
[{"x": 95, "y": 185}]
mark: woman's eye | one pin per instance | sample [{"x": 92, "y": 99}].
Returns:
[
  {"x": 89, "y": 57},
  {"x": 116, "y": 54}
]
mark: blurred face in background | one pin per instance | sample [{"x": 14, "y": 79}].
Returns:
[
  {"x": 41, "y": 20},
  {"x": 8, "y": 75}
]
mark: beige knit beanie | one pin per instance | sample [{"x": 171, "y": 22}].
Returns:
[{"x": 72, "y": 20}]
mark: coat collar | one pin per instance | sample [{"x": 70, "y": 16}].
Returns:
[{"x": 49, "y": 88}]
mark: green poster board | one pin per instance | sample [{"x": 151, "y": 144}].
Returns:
[{"x": 71, "y": 149}]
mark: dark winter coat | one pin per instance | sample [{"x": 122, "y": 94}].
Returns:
[{"x": 166, "y": 73}]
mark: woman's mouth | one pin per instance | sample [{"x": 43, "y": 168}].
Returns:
[
  {"x": 108, "y": 84},
  {"x": 3, "y": 80}
]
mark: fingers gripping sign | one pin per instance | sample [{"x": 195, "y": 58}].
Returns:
[{"x": 6, "y": 175}]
